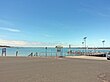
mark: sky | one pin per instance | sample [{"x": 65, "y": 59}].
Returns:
[{"x": 39, "y": 23}]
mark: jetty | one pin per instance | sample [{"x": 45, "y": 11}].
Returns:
[{"x": 98, "y": 54}]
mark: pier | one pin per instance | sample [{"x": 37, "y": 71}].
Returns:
[{"x": 98, "y": 54}]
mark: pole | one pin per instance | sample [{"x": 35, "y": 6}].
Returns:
[
  {"x": 103, "y": 43},
  {"x": 82, "y": 46},
  {"x": 51, "y": 51},
  {"x": 46, "y": 51},
  {"x": 16, "y": 53},
  {"x": 85, "y": 45},
  {"x": 69, "y": 49}
]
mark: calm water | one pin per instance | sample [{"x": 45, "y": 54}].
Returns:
[{"x": 25, "y": 51}]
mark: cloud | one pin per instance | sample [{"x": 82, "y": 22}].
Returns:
[
  {"x": 9, "y": 29},
  {"x": 5, "y": 23},
  {"x": 23, "y": 43},
  {"x": 12, "y": 42}
]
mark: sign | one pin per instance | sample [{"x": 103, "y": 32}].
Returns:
[{"x": 3, "y": 51}]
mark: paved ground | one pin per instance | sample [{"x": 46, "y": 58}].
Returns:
[
  {"x": 87, "y": 57},
  {"x": 29, "y": 69}
]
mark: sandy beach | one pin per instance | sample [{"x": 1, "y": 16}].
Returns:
[{"x": 42, "y": 69}]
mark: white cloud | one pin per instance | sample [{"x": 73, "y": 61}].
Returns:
[
  {"x": 10, "y": 29},
  {"x": 12, "y": 42},
  {"x": 23, "y": 43}
]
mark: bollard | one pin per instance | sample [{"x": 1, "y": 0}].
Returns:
[{"x": 16, "y": 53}]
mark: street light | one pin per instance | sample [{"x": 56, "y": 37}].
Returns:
[
  {"x": 85, "y": 44},
  {"x": 103, "y": 43},
  {"x": 82, "y": 46}
]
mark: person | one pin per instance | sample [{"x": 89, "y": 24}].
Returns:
[
  {"x": 31, "y": 54},
  {"x": 36, "y": 54}
]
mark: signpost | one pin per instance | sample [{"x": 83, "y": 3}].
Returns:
[{"x": 3, "y": 51}]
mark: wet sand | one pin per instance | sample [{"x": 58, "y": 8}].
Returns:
[{"x": 41, "y": 69}]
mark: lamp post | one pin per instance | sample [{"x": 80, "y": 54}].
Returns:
[
  {"x": 82, "y": 46},
  {"x": 103, "y": 43},
  {"x": 85, "y": 44}
]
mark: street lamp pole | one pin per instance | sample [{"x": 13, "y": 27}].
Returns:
[
  {"x": 82, "y": 44},
  {"x": 103, "y": 43},
  {"x": 85, "y": 44},
  {"x": 82, "y": 47}
]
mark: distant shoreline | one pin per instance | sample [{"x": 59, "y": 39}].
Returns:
[
  {"x": 94, "y": 48},
  {"x": 5, "y": 46},
  {"x": 54, "y": 47}
]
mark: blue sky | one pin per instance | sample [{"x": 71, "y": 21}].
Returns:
[{"x": 54, "y": 22}]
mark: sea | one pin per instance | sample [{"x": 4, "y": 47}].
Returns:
[{"x": 46, "y": 51}]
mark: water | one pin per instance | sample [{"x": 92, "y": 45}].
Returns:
[{"x": 41, "y": 51}]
